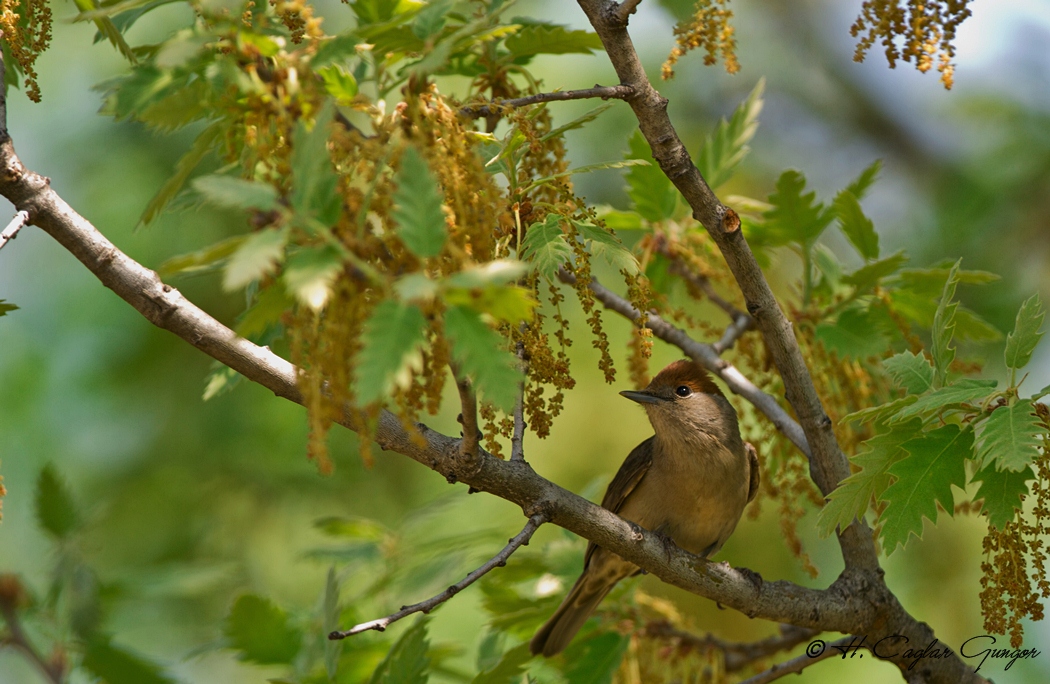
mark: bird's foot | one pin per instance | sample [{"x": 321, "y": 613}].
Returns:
[
  {"x": 668, "y": 543},
  {"x": 752, "y": 577}
]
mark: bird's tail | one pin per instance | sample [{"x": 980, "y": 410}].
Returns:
[{"x": 555, "y": 635}]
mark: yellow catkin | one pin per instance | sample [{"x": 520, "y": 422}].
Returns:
[
  {"x": 26, "y": 27},
  {"x": 707, "y": 28}
]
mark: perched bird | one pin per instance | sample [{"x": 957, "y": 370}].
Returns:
[{"x": 689, "y": 482}]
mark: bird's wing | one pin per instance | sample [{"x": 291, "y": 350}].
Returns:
[
  {"x": 627, "y": 478},
  {"x": 752, "y": 458}
]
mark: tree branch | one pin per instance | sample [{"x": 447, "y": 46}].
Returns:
[
  {"x": 705, "y": 355},
  {"x": 497, "y": 561},
  {"x": 737, "y": 656},
  {"x": 517, "y": 439},
  {"x": 796, "y": 665},
  {"x": 468, "y": 417},
  {"x": 17, "y": 638},
  {"x": 480, "y": 110},
  {"x": 11, "y": 231},
  {"x": 622, "y": 11}
]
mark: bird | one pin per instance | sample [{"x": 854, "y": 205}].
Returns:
[{"x": 688, "y": 483}]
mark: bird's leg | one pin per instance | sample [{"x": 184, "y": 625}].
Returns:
[{"x": 665, "y": 539}]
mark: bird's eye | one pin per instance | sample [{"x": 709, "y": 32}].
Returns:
[{"x": 683, "y": 391}]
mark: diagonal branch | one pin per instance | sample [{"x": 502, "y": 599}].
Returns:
[
  {"x": 737, "y": 656},
  {"x": 704, "y": 354},
  {"x": 498, "y": 561},
  {"x": 16, "y": 637},
  {"x": 480, "y": 110},
  {"x": 796, "y": 665},
  {"x": 11, "y": 231}
]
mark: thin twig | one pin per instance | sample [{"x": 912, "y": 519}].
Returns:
[
  {"x": 705, "y": 355},
  {"x": 497, "y": 561},
  {"x": 20, "y": 220},
  {"x": 618, "y": 92},
  {"x": 625, "y": 9},
  {"x": 737, "y": 655},
  {"x": 796, "y": 665},
  {"x": 18, "y": 639},
  {"x": 517, "y": 446},
  {"x": 468, "y": 401},
  {"x": 734, "y": 330}
]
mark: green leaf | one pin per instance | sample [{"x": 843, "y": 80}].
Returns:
[
  {"x": 509, "y": 668},
  {"x": 55, "y": 509},
  {"x": 857, "y": 227},
  {"x": 869, "y": 275},
  {"x": 375, "y": 11},
  {"x": 601, "y": 166},
  {"x": 961, "y": 392},
  {"x": 236, "y": 193},
  {"x": 910, "y": 371},
  {"x": 924, "y": 479},
  {"x": 970, "y": 326},
  {"x": 339, "y": 83},
  {"x": 944, "y": 327},
  {"x": 261, "y": 631},
  {"x": 621, "y": 220},
  {"x": 854, "y": 334},
  {"x": 1002, "y": 492},
  {"x": 335, "y": 50},
  {"x": 498, "y": 272},
  {"x": 651, "y": 192},
  {"x": 596, "y": 660},
  {"x": 876, "y": 413},
  {"x": 203, "y": 259},
  {"x": 420, "y": 220},
  {"x": 431, "y": 18},
  {"x": 544, "y": 245},
  {"x": 478, "y": 350},
  {"x": 828, "y": 264},
  {"x": 116, "y": 666},
  {"x": 727, "y": 145},
  {"x": 547, "y": 39},
  {"x": 265, "y": 313},
  {"x": 390, "y": 339},
  {"x": 257, "y": 256},
  {"x": 1021, "y": 342},
  {"x": 1011, "y": 437},
  {"x": 314, "y": 181},
  {"x": 795, "y": 217},
  {"x": 931, "y": 281},
  {"x": 407, "y": 661},
  {"x": 608, "y": 246},
  {"x": 352, "y": 527},
  {"x": 578, "y": 122},
  {"x": 853, "y": 495},
  {"x": 508, "y": 303},
  {"x": 310, "y": 272},
  {"x": 859, "y": 187},
  {"x": 6, "y": 307},
  {"x": 208, "y": 139}
]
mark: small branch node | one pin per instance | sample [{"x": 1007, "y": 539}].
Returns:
[{"x": 9, "y": 233}]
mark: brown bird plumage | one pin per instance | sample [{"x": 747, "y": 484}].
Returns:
[{"x": 690, "y": 481}]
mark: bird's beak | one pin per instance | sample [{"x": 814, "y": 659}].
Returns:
[{"x": 643, "y": 397}]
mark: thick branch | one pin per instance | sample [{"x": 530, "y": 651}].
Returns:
[
  {"x": 468, "y": 416},
  {"x": 497, "y": 561},
  {"x": 477, "y": 111},
  {"x": 705, "y": 355}
]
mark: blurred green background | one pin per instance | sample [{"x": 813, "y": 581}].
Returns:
[{"x": 189, "y": 504}]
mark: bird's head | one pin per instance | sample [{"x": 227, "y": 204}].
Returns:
[{"x": 682, "y": 399}]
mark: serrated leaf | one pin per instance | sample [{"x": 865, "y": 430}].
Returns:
[
  {"x": 876, "y": 413},
  {"x": 796, "y": 216},
  {"x": 117, "y": 666},
  {"x": 1011, "y": 437},
  {"x": 910, "y": 371},
  {"x": 550, "y": 40},
  {"x": 202, "y": 259},
  {"x": 55, "y": 510},
  {"x": 1041, "y": 393},
  {"x": 314, "y": 181},
  {"x": 924, "y": 479},
  {"x": 1025, "y": 336},
  {"x": 498, "y": 272},
  {"x": 622, "y": 220},
  {"x": 869, "y": 275},
  {"x": 964, "y": 391},
  {"x": 261, "y": 631},
  {"x": 391, "y": 336},
  {"x": 859, "y": 187},
  {"x": 7, "y": 307},
  {"x": 509, "y": 668},
  {"x": 478, "y": 350},
  {"x": 219, "y": 381},
  {"x": 509, "y": 303},
  {"x": 335, "y": 50},
  {"x": 339, "y": 83},
  {"x": 601, "y": 166},
  {"x": 596, "y": 660},
  {"x": 944, "y": 327},
  {"x": 257, "y": 256},
  {"x": 727, "y": 145},
  {"x": 236, "y": 193},
  {"x": 309, "y": 274},
  {"x": 651, "y": 192},
  {"x": 178, "y": 108},
  {"x": 544, "y": 245},
  {"x": 431, "y": 18},
  {"x": 265, "y": 313},
  {"x": 828, "y": 264},
  {"x": 418, "y": 199},
  {"x": 853, "y": 495},
  {"x": 857, "y": 227},
  {"x": 209, "y": 138},
  {"x": 407, "y": 661},
  {"x": 853, "y": 335},
  {"x": 608, "y": 246},
  {"x": 1002, "y": 492},
  {"x": 970, "y": 326},
  {"x": 578, "y": 122},
  {"x": 931, "y": 281}
]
